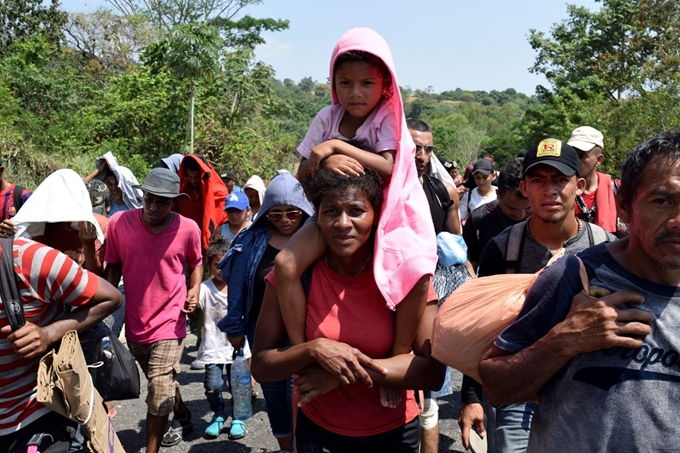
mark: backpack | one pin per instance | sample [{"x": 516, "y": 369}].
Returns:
[
  {"x": 476, "y": 313},
  {"x": 16, "y": 197},
  {"x": 9, "y": 291},
  {"x": 517, "y": 237},
  {"x": 442, "y": 194}
]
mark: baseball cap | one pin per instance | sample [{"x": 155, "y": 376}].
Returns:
[
  {"x": 162, "y": 183},
  {"x": 554, "y": 153},
  {"x": 227, "y": 174},
  {"x": 586, "y": 138},
  {"x": 484, "y": 166},
  {"x": 238, "y": 200}
]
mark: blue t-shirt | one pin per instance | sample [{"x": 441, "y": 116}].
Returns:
[
  {"x": 115, "y": 207},
  {"x": 613, "y": 400}
]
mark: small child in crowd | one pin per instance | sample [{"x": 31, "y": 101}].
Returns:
[
  {"x": 366, "y": 127},
  {"x": 215, "y": 351},
  {"x": 238, "y": 215}
]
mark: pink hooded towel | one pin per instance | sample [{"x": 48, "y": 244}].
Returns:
[{"x": 406, "y": 246}]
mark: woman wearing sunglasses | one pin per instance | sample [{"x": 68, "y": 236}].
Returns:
[{"x": 251, "y": 256}]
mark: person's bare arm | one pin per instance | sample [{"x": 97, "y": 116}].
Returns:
[
  {"x": 303, "y": 170},
  {"x": 452, "y": 224},
  {"x": 113, "y": 273},
  {"x": 194, "y": 289},
  {"x": 591, "y": 325},
  {"x": 88, "y": 234},
  {"x": 101, "y": 168},
  {"x": 305, "y": 247},
  {"x": 418, "y": 370},
  {"x": 380, "y": 162},
  {"x": 409, "y": 312},
  {"x": 32, "y": 340},
  {"x": 272, "y": 361}
]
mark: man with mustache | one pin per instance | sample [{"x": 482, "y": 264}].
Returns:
[
  {"x": 605, "y": 368},
  {"x": 551, "y": 181}
]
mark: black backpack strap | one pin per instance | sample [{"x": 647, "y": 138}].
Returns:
[
  {"x": 514, "y": 246},
  {"x": 9, "y": 291},
  {"x": 16, "y": 195},
  {"x": 442, "y": 193}
]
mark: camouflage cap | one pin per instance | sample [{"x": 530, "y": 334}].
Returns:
[{"x": 98, "y": 195}]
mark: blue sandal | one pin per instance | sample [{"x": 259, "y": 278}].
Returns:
[{"x": 238, "y": 430}]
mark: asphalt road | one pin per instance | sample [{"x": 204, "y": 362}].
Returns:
[{"x": 130, "y": 421}]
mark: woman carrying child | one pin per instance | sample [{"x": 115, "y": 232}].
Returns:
[{"x": 366, "y": 127}]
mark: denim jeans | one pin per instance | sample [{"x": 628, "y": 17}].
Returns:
[
  {"x": 213, "y": 383},
  {"x": 512, "y": 426},
  {"x": 278, "y": 397}
]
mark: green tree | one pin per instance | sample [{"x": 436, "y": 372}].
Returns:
[
  {"x": 24, "y": 19},
  {"x": 192, "y": 54},
  {"x": 604, "y": 66}
]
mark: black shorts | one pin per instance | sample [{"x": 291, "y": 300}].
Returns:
[
  {"x": 58, "y": 435},
  {"x": 311, "y": 438}
]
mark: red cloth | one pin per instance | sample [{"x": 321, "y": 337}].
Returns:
[
  {"x": 214, "y": 198},
  {"x": 352, "y": 311},
  {"x": 605, "y": 203}
]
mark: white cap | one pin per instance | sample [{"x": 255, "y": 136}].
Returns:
[{"x": 586, "y": 138}]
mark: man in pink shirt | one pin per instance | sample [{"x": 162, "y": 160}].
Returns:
[{"x": 150, "y": 248}]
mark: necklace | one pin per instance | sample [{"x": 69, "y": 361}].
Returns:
[{"x": 370, "y": 255}]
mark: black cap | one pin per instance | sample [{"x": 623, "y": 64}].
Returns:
[
  {"x": 228, "y": 174},
  {"x": 484, "y": 166},
  {"x": 554, "y": 153}
]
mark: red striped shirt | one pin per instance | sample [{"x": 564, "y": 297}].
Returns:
[{"x": 49, "y": 283}]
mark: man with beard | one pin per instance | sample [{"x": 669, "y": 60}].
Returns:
[
  {"x": 605, "y": 368},
  {"x": 551, "y": 181}
]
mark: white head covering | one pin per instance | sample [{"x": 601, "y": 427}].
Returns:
[
  {"x": 131, "y": 197},
  {"x": 437, "y": 170},
  {"x": 62, "y": 197},
  {"x": 256, "y": 183}
]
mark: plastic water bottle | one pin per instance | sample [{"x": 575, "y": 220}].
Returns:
[
  {"x": 241, "y": 390},
  {"x": 107, "y": 349}
]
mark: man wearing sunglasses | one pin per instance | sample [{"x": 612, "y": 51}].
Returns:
[{"x": 443, "y": 200}]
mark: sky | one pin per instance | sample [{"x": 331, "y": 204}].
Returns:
[{"x": 443, "y": 44}]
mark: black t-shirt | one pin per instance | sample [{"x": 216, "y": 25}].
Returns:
[
  {"x": 478, "y": 234},
  {"x": 265, "y": 265}
]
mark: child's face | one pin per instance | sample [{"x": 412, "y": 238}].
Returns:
[
  {"x": 359, "y": 87},
  {"x": 213, "y": 267},
  {"x": 236, "y": 216}
]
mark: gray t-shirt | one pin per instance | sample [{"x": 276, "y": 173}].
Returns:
[{"x": 614, "y": 400}]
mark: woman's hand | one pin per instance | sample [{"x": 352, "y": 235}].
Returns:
[
  {"x": 344, "y": 362},
  {"x": 314, "y": 381}
]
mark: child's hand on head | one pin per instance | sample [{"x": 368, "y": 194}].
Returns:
[
  {"x": 319, "y": 153},
  {"x": 343, "y": 165}
]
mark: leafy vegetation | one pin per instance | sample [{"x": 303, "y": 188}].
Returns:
[{"x": 146, "y": 79}]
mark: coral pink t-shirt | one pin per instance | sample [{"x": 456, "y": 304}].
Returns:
[
  {"x": 353, "y": 311},
  {"x": 153, "y": 271}
]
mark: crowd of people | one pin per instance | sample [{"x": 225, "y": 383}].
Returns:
[{"x": 328, "y": 281}]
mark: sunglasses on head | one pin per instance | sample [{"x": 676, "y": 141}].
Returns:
[{"x": 290, "y": 215}]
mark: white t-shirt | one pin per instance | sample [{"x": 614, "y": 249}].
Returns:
[
  {"x": 476, "y": 200},
  {"x": 215, "y": 348}
]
